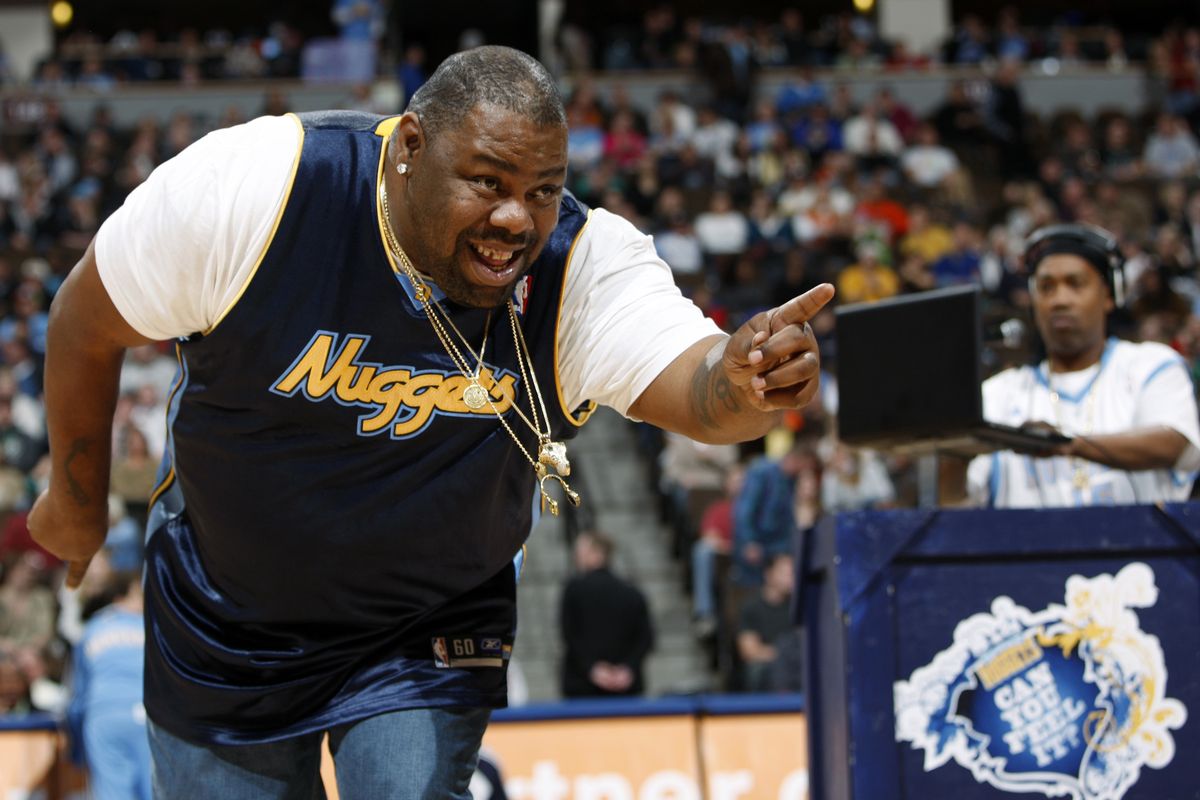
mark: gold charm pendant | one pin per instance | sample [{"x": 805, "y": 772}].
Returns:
[
  {"x": 475, "y": 396},
  {"x": 547, "y": 500},
  {"x": 1081, "y": 479},
  {"x": 554, "y": 454}
]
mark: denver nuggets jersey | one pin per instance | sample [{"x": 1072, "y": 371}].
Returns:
[
  {"x": 330, "y": 507},
  {"x": 1134, "y": 386}
]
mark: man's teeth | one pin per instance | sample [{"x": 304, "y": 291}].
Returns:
[{"x": 494, "y": 255}]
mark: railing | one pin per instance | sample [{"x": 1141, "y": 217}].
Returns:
[{"x": 1085, "y": 89}]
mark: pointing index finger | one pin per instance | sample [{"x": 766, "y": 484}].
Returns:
[{"x": 801, "y": 309}]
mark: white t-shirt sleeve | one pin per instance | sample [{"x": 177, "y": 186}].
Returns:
[
  {"x": 624, "y": 319},
  {"x": 177, "y": 255},
  {"x": 1167, "y": 398}
]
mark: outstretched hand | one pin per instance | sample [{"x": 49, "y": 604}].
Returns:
[{"x": 774, "y": 358}]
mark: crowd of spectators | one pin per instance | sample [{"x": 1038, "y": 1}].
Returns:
[
  {"x": 734, "y": 51},
  {"x": 751, "y": 199},
  {"x": 731, "y": 53}
]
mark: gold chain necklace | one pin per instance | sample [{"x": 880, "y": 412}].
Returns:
[
  {"x": 1080, "y": 478},
  {"x": 551, "y": 454}
]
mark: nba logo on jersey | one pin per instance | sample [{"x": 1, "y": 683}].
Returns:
[{"x": 521, "y": 293}]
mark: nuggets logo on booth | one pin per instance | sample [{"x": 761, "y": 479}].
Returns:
[{"x": 1069, "y": 701}]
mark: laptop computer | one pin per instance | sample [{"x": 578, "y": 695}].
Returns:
[{"x": 909, "y": 374}]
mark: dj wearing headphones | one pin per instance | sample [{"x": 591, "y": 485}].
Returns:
[{"x": 1130, "y": 408}]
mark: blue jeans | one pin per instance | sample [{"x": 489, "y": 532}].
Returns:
[
  {"x": 118, "y": 756},
  {"x": 704, "y": 579},
  {"x": 417, "y": 754}
]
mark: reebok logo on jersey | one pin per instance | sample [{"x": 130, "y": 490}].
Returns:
[{"x": 401, "y": 399}]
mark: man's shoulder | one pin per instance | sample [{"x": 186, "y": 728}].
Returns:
[
  {"x": 597, "y": 233},
  {"x": 1007, "y": 379},
  {"x": 340, "y": 120},
  {"x": 1141, "y": 359},
  {"x": 1139, "y": 351},
  {"x": 762, "y": 466},
  {"x": 610, "y": 583}
]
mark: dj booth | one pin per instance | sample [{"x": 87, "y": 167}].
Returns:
[{"x": 986, "y": 654}]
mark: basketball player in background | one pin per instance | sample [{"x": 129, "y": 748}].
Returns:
[{"x": 1129, "y": 408}]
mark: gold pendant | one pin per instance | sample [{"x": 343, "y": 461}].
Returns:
[
  {"x": 547, "y": 500},
  {"x": 1081, "y": 479},
  {"x": 554, "y": 454},
  {"x": 475, "y": 396}
]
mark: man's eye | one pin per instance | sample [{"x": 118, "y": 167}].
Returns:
[
  {"x": 491, "y": 184},
  {"x": 547, "y": 193}
]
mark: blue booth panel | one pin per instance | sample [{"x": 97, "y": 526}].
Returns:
[{"x": 991, "y": 654}]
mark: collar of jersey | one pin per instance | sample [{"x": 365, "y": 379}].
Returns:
[
  {"x": 436, "y": 295},
  {"x": 1042, "y": 371}
]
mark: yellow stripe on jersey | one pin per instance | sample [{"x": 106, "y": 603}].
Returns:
[
  {"x": 170, "y": 478},
  {"x": 384, "y": 129},
  {"x": 287, "y": 192},
  {"x": 590, "y": 407}
]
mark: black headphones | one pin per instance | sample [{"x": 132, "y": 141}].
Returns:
[{"x": 1095, "y": 245}]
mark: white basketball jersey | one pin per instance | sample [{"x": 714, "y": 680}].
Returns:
[{"x": 1133, "y": 386}]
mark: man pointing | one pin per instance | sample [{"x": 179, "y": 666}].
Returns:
[{"x": 320, "y": 559}]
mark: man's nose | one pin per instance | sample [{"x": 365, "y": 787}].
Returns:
[
  {"x": 1060, "y": 297},
  {"x": 513, "y": 216}
]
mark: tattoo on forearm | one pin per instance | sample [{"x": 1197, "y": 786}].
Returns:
[
  {"x": 79, "y": 447},
  {"x": 712, "y": 393}
]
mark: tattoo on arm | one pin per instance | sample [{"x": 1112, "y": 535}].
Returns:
[
  {"x": 79, "y": 447},
  {"x": 712, "y": 393}
]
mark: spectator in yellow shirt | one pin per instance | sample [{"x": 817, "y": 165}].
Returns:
[
  {"x": 926, "y": 238},
  {"x": 868, "y": 280}
]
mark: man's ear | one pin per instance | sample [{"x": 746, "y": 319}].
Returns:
[{"x": 410, "y": 139}]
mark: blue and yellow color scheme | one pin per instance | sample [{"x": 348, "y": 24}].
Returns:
[
  {"x": 328, "y": 505},
  {"x": 1069, "y": 701}
]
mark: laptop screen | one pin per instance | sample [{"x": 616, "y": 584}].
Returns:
[{"x": 909, "y": 367}]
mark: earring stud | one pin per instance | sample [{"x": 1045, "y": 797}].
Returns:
[{"x": 402, "y": 168}]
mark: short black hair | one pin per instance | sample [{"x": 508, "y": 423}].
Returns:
[
  {"x": 601, "y": 541},
  {"x": 491, "y": 74}
]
